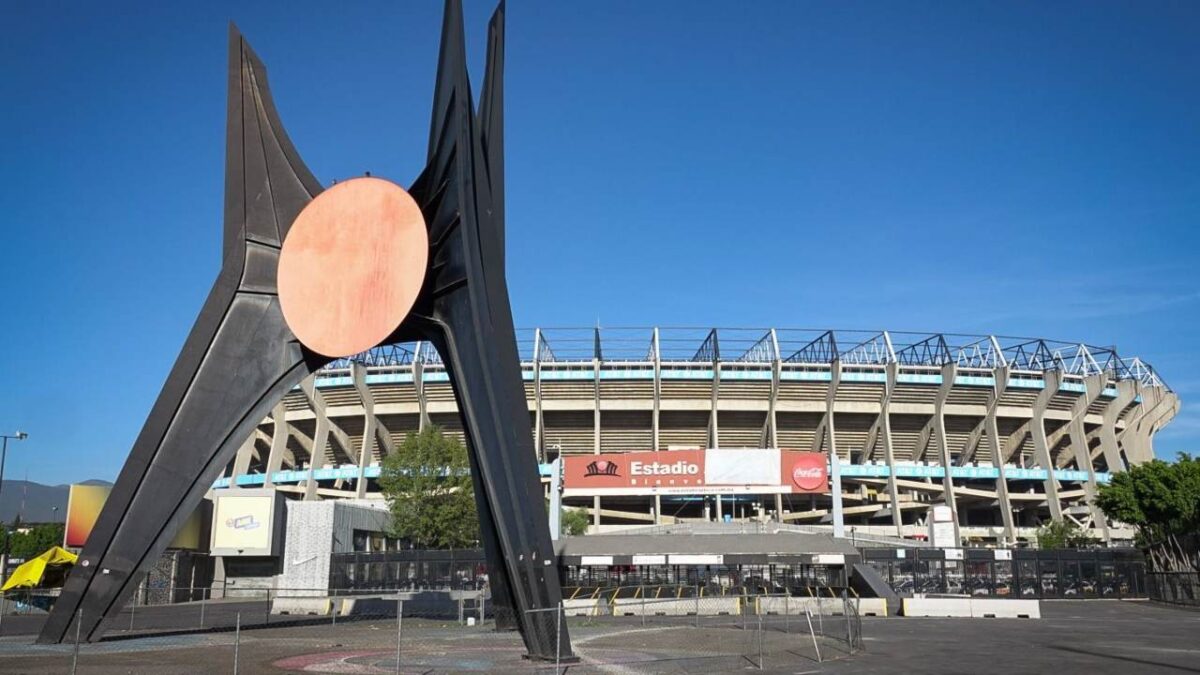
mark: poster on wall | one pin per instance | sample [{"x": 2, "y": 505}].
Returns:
[{"x": 245, "y": 523}]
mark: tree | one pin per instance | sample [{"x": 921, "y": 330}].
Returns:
[
  {"x": 1062, "y": 534},
  {"x": 1162, "y": 501},
  {"x": 36, "y": 541},
  {"x": 574, "y": 522},
  {"x": 427, "y": 484}
]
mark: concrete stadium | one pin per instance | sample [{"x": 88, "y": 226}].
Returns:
[{"x": 1008, "y": 432}]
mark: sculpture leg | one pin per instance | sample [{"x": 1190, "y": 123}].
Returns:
[
  {"x": 210, "y": 404},
  {"x": 485, "y": 370},
  {"x": 238, "y": 361}
]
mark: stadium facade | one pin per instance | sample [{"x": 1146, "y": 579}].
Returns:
[{"x": 1008, "y": 432}]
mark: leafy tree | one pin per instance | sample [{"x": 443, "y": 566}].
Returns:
[
  {"x": 1062, "y": 534},
  {"x": 427, "y": 483},
  {"x": 574, "y": 522},
  {"x": 1162, "y": 501},
  {"x": 36, "y": 541}
]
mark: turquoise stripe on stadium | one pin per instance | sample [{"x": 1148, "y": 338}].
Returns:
[{"x": 847, "y": 470}]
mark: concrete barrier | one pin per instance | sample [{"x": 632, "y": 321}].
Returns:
[
  {"x": 1000, "y": 608},
  {"x": 872, "y": 607},
  {"x": 767, "y": 605},
  {"x": 973, "y": 608},
  {"x": 956, "y": 607},
  {"x": 707, "y": 606},
  {"x": 293, "y": 606},
  {"x": 586, "y": 607}
]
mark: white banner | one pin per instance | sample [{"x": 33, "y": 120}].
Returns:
[
  {"x": 742, "y": 467},
  {"x": 696, "y": 559}
]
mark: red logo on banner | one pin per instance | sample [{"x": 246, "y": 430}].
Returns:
[
  {"x": 809, "y": 472},
  {"x": 601, "y": 468}
]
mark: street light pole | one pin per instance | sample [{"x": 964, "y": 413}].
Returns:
[{"x": 19, "y": 436}]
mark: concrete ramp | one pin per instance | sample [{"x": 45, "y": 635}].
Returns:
[{"x": 869, "y": 583}]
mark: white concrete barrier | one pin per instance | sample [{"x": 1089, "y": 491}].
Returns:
[
  {"x": 585, "y": 607},
  {"x": 958, "y": 607},
  {"x": 707, "y": 606},
  {"x": 978, "y": 608},
  {"x": 1001, "y": 608},
  {"x": 828, "y": 606},
  {"x": 872, "y": 607},
  {"x": 293, "y": 606}
]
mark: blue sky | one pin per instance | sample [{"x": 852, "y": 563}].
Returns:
[{"x": 1016, "y": 168}]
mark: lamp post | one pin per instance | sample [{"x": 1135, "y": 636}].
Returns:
[{"x": 19, "y": 436}]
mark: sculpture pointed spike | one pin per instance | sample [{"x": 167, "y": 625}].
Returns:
[
  {"x": 491, "y": 121},
  {"x": 452, "y": 87}
]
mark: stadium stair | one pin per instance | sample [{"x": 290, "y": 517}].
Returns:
[{"x": 868, "y": 583}]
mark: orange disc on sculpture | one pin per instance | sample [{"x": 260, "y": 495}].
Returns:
[{"x": 352, "y": 266}]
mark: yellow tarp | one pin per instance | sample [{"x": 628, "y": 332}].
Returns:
[{"x": 33, "y": 571}]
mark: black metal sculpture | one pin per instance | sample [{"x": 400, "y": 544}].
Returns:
[{"x": 241, "y": 357}]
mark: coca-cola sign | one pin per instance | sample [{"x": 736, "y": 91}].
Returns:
[{"x": 809, "y": 472}]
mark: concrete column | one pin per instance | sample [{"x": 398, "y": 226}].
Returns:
[
  {"x": 714, "y": 435},
  {"x": 418, "y": 368},
  {"x": 539, "y": 423},
  {"x": 1093, "y": 387},
  {"x": 949, "y": 371},
  {"x": 241, "y": 462},
  {"x": 772, "y": 435},
  {"x": 656, "y": 355},
  {"x": 1126, "y": 391},
  {"x": 1037, "y": 429},
  {"x": 279, "y": 439},
  {"x": 999, "y": 457},
  {"x": 596, "y": 406},
  {"x": 1163, "y": 408},
  {"x": 657, "y": 509},
  {"x": 320, "y": 439},
  {"x": 881, "y": 434},
  {"x": 359, "y": 374},
  {"x": 825, "y": 428}
]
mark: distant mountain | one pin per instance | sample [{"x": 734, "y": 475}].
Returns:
[{"x": 39, "y": 500}]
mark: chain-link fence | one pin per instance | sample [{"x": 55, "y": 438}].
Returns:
[{"x": 639, "y": 629}]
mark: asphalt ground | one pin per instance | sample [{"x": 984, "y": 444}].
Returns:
[{"x": 1097, "y": 636}]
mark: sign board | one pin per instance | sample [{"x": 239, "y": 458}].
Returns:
[
  {"x": 84, "y": 503},
  {"x": 954, "y": 554},
  {"x": 941, "y": 527},
  {"x": 829, "y": 559},
  {"x": 691, "y": 472},
  {"x": 596, "y": 560},
  {"x": 245, "y": 523},
  {"x": 695, "y": 559},
  {"x": 941, "y": 535},
  {"x": 649, "y": 560},
  {"x": 1002, "y": 554}
]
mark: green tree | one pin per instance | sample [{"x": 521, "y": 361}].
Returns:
[
  {"x": 1162, "y": 501},
  {"x": 427, "y": 483},
  {"x": 36, "y": 541},
  {"x": 1062, "y": 534},
  {"x": 574, "y": 522}
]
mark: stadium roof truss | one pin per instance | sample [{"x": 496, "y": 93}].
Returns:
[{"x": 795, "y": 347}]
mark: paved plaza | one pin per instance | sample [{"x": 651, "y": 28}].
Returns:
[{"x": 1073, "y": 637}]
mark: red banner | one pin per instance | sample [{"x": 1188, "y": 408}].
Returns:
[{"x": 697, "y": 472}]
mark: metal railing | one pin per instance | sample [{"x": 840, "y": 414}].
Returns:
[{"x": 1175, "y": 588}]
